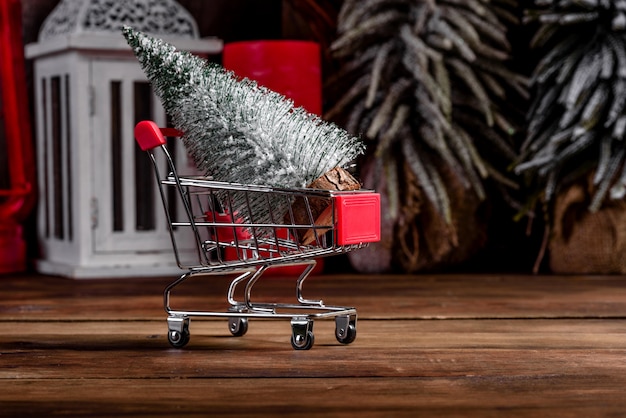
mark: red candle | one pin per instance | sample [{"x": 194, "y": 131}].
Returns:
[{"x": 291, "y": 68}]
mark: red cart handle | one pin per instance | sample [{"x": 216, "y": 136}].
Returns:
[{"x": 149, "y": 136}]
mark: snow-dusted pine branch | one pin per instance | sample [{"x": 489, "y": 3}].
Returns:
[{"x": 236, "y": 130}]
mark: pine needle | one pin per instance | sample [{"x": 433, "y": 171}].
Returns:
[
  {"x": 235, "y": 130},
  {"x": 433, "y": 52},
  {"x": 580, "y": 96}
]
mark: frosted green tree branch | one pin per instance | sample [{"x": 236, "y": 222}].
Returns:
[
  {"x": 236, "y": 130},
  {"x": 239, "y": 132}
]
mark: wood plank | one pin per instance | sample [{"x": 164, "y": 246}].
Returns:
[
  {"x": 375, "y": 297},
  {"x": 89, "y": 350},
  {"x": 475, "y": 396},
  {"x": 432, "y": 345}
]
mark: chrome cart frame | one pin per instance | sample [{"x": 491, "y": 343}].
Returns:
[{"x": 245, "y": 230}]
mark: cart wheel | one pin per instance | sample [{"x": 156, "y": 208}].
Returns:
[
  {"x": 238, "y": 326},
  {"x": 303, "y": 342},
  {"x": 178, "y": 339},
  {"x": 302, "y": 337},
  {"x": 345, "y": 329},
  {"x": 348, "y": 335},
  {"x": 178, "y": 331}
]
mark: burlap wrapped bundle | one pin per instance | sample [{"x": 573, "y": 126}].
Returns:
[
  {"x": 420, "y": 239},
  {"x": 584, "y": 242}
]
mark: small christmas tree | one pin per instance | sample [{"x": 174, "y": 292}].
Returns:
[
  {"x": 235, "y": 130},
  {"x": 574, "y": 154},
  {"x": 578, "y": 120},
  {"x": 430, "y": 85}
]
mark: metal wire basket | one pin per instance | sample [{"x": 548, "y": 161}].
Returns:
[{"x": 244, "y": 230}]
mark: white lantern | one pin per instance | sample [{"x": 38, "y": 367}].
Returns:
[{"x": 99, "y": 212}]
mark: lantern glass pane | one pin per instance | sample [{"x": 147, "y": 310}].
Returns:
[
  {"x": 57, "y": 157},
  {"x": 145, "y": 217},
  {"x": 116, "y": 156}
]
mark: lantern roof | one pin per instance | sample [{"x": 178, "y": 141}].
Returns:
[
  {"x": 158, "y": 17},
  {"x": 95, "y": 26}
]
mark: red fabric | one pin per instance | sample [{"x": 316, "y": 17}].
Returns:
[{"x": 17, "y": 201}]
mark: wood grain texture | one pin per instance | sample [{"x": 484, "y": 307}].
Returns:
[
  {"x": 427, "y": 345},
  {"x": 375, "y": 296}
]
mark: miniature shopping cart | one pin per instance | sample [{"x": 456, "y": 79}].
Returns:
[{"x": 243, "y": 230}]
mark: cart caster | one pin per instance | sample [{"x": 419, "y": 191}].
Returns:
[
  {"x": 345, "y": 329},
  {"x": 178, "y": 339},
  {"x": 238, "y": 326},
  {"x": 178, "y": 331},
  {"x": 302, "y": 337}
]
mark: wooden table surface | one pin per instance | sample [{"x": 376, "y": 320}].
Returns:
[{"x": 427, "y": 345}]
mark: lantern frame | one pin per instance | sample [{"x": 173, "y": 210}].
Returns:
[{"x": 89, "y": 93}]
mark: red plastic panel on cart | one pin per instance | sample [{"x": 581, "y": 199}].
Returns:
[{"x": 358, "y": 218}]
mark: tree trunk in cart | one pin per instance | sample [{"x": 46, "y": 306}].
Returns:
[{"x": 320, "y": 208}]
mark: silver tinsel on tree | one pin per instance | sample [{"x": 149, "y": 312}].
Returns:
[{"x": 237, "y": 131}]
